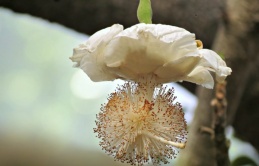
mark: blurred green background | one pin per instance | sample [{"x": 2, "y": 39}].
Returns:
[{"x": 48, "y": 108}]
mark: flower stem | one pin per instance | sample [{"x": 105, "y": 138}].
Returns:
[{"x": 144, "y": 12}]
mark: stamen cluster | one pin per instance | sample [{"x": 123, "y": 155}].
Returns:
[{"x": 140, "y": 123}]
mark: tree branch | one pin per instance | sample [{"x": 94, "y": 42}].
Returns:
[
  {"x": 237, "y": 40},
  {"x": 89, "y": 16},
  {"x": 219, "y": 123}
]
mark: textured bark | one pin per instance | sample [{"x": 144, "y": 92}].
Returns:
[
  {"x": 221, "y": 143},
  {"x": 237, "y": 40},
  {"x": 199, "y": 149}
]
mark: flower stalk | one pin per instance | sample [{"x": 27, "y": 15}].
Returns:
[{"x": 144, "y": 12}]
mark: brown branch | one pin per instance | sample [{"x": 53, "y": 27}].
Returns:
[
  {"x": 237, "y": 40},
  {"x": 200, "y": 146},
  {"x": 89, "y": 16},
  {"x": 219, "y": 104},
  {"x": 208, "y": 130},
  {"x": 218, "y": 124}
]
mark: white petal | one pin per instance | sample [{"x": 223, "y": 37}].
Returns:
[
  {"x": 141, "y": 53},
  {"x": 134, "y": 55},
  {"x": 154, "y": 35},
  {"x": 103, "y": 36},
  {"x": 212, "y": 61},
  {"x": 78, "y": 54},
  {"x": 165, "y": 33},
  {"x": 89, "y": 56},
  {"x": 177, "y": 70},
  {"x": 95, "y": 71},
  {"x": 200, "y": 76}
]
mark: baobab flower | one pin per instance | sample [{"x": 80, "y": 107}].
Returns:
[{"x": 141, "y": 121}]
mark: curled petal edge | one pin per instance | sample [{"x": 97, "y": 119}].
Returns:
[
  {"x": 200, "y": 76},
  {"x": 213, "y": 62}
]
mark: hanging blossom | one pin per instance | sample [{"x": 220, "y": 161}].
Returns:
[{"x": 141, "y": 120}]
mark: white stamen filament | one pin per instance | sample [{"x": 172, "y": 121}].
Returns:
[{"x": 175, "y": 144}]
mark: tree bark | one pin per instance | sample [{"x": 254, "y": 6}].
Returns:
[
  {"x": 237, "y": 40},
  {"x": 221, "y": 143},
  {"x": 89, "y": 16},
  {"x": 199, "y": 148}
]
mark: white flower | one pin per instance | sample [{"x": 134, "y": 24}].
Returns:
[
  {"x": 140, "y": 122},
  {"x": 168, "y": 53}
]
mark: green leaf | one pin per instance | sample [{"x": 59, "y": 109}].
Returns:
[{"x": 144, "y": 11}]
